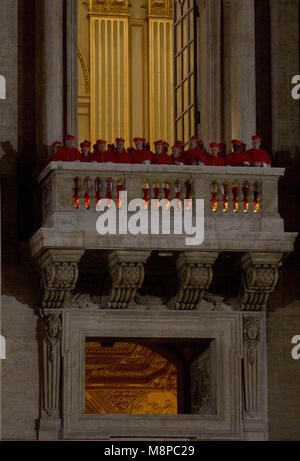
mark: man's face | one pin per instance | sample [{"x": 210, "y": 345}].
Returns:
[
  {"x": 158, "y": 149},
  {"x": 256, "y": 144},
  {"x": 200, "y": 144},
  {"x": 69, "y": 143},
  {"x": 120, "y": 145},
  {"x": 176, "y": 152},
  {"x": 193, "y": 144},
  {"x": 102, "y": 147},
  {"x": 139, "y": 145},
  {"x": 85, "y": 151},
  {"x": 215, "y": 151}
]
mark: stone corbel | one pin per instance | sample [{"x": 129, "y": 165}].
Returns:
[
  {"x": 195, "y": 276},
  {"x": 260, "y": 276},
  {"x": 127, "y": 273},
  {"x": 59, "y": 273}
]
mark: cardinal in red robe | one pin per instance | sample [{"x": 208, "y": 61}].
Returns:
[
  {"x": 122, "y": 155},
  {"x": 195, "y": 155},
  {"x": 101, "y": 154},
  {"x": 67, "y": 153},
  {"x": 86, "y": 154},
  {"x": 161, "y": 156},
  {"x": 238, "y": 157},
  {"x": 141, "y": 154},
  {"x": 214, "y": 159},
  {"x": 258, "y": 156},
  {"x": 178, "y": 153}
]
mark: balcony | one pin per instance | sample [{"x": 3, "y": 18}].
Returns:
[{"x": 240, "y": 206}]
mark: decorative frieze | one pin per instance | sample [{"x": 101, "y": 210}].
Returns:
[
  {"x": 160, "y": 8},
  {"x": 109, "y": 6},
  {"x": 127, "y": 273},
  {"x": 195, "y": 276},
  {"x": 260, "y": 276}
]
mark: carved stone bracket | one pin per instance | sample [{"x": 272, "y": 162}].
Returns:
[
  {"x": 195, "y": 276},
  {"x": 59, "y": 273},
  {"x": 251, "y": 371},
  {"x": 127, "y": 273},
  {"x": 260, "y": 276}
]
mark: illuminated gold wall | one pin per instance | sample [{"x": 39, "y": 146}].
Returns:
[{"x": 125, "y": 70}]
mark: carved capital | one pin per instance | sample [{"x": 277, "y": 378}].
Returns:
[
  {"x": 195, "y": 276},
  {"x": 160, "y": 8},
  {"x": 260, "y": 277},
  {"x": 127, "y": 273},
  {"x": 59, "y": 273}
]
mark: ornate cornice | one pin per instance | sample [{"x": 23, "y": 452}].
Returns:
[
  {"x": 159, "y": 8},
  {"x": 109, "y": 6}
]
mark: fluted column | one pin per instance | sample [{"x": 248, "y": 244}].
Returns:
[
  {"x": 209, "y": 69},
  {"x": 50, "y": 76},
  {"x": 71, "y": 81},
  {"x": 243, "y": 84},
  {"x": 285, "y": 64}
]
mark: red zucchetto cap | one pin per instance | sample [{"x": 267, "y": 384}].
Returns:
[
  {"x": 214, "y": 145},
  {"x": 69, "y": 137},
  {"x": 256, "y": 138},
  {"x": 179, "y": 143},
  {"x": 236, "y": 142},
  {"x": 100, "y": 141},
  {"x": 56, "y": 143},
  {"x": 176, "y": 146},
  {"x": 194, "y": 138},
  {"x": 85, "y": 143},
  {"x": 158, "y": 143},
  {"x": 120, "y": 140},
  {"x": 139, "y": 139},
  {"x": 165, "y": 143}
]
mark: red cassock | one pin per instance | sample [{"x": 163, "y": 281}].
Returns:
[
  {"x": 162, "y": 159},
  {"x": 259, "y": 155},
  {"x": 123, "y": 156},
  {"x": 238, "y": 158},
  {"x": 66, "y": 154},
  {"x": 140, "y": 156},
  {"x": 211, "y": 160},
  {"x": 180, "y": 159},
  {"x": 195, "y": 155},
  {"x": 103, "y": 157},
  {"x": 86, "y": 159}
]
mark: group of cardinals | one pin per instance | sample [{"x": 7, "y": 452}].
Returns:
[{"x": 196, "y": 154}]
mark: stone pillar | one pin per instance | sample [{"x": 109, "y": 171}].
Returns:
[
  {"x": 71, "y": 68},
  {"x": 254, "y": 377},
  {"x": 50, "y": 75},
  {"x": 285, "y": 64},
  {"x": 226, "y": 71},
  {"x": 209, "y": 69},
  {"x": 260, "y": 277},
  {"x": 59, "y": 273},
  {"x": 127, "y": 273},
  {"x": 195, "y": 276},
  {"x": 243, "y": 82}
]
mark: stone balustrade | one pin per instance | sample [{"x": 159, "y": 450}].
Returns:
[{"x": 240, "y": 205}]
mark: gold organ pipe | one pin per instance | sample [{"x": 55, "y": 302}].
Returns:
[
  {"x": 112, "y": 78},
  {"x": 166, "y": 133},
  {"x": 106, "y": 77},
  {"x": 100, "y": 76},
  {"x": 93, "y": 95},
  {"x": 159, "y": 78},
  {"x": 119, "y": 79}
]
